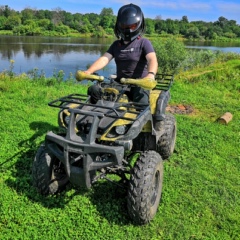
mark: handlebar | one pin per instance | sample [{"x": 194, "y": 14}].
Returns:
[
  {"x": 146, "y": 83},
  {"x": 80, "y": 75}
]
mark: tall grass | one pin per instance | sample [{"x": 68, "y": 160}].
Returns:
[{"x": 201, "y": 180}]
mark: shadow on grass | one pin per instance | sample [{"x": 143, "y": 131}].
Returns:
[
  {"x": 111, "y": 202},
  {"x": 109, "y": 198},
  {"x": 21, "y": 169}
]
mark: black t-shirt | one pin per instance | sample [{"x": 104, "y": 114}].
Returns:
[{"x": 130, "y": 58}]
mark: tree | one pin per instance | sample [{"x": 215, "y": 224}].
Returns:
[
  {"x": 107, "y": 18},
  {"x": 184, "y": 19},
  {"x": 94, "y": 19},
  {"x": 236, "y": 30},
  {"x": 91, "y": 23},
  {"x": 85, "y": 26},
  {"x": 193, "y": 32},
  {"x": 44, "y": 23},
  {"x": 99, "y": 32},
  {"x": 106, "y": 12},
  {"x": 77, "y": 17},
  {"x": 31, "y": 27},
  {"x": 222, "y": 21},
  {"x": 210, "y": 34},
  {"x": 11, "y": 22},
  {"x": 48, "y": 14},
  {"x": 6, "y": 11},
  {"x": 40, "y": 14},
  {"x": 68, "y": 18},
  {"x": 150, "y": 26},
  {"x": 58, "y": 16},
  {"x": 3, "y": 20},
  {"x": 230, "y": 34},
  {"x": 160, "y": 26},
  {"x": 63, "y": 29},
  {"x": 106, "y": 22},
  {"x": 158, "y": 18},
  {"x": 171, "y": 26},
  {"x": 27, "y": 14}
]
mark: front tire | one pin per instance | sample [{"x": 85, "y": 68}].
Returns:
[
  {"x": 145, "y": 187},
  {"x": 48, "y": 174}
]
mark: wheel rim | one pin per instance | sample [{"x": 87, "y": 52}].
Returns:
[
  {"x": 59, "y": 175},
  {"x": 155, "y": 188}
]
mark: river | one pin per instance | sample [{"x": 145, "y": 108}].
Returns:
[{"x": 48, "y": 55}]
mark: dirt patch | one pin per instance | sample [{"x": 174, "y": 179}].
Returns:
[{"x": 180, "y": 109}]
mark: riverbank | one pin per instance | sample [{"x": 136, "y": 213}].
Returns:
[
  {"x": 152, "y": 36},
  {"x": 54, "y": 34}
]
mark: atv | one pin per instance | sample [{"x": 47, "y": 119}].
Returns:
[{"x": 113, "y": 136}]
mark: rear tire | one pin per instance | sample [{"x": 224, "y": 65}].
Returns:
[
  {"x": 145, "y": 187},
  {"x": 166, "y": 142},
  {"x": 48, "y": 174}
]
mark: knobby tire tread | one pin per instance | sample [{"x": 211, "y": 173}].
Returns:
[
  {"x": 140, "y": 187},
  {"x": 42, "y": 173}
]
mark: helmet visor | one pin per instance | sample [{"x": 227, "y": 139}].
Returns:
[{"x": 132, "y": 27}]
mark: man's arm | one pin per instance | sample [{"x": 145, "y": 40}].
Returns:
[
  {"x": 152, "y": 64},
  {"x": 99, "y": 63}
]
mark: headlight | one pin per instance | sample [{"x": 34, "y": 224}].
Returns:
[{"x": 121, "y": 129}]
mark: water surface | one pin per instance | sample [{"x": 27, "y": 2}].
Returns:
[{"x": 52, "y": 54}]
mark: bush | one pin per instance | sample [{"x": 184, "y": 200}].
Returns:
[
  {"x": 170, "y": 54},
  {"x": 196, "y": 58},
  {"x": 63, "y": 29},
  {"x": 173, "y": 56}
]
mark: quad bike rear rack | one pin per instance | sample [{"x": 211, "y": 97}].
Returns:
[{"x": 164, "y": 81}]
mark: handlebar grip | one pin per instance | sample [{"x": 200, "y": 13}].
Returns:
[
  {"x": 146, "y": 83},
  {"x": 80, "y": 75}
]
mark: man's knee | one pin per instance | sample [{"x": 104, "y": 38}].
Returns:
[
  {"x": 140, "y": 95},
  {"x": 95, "y": 92}
]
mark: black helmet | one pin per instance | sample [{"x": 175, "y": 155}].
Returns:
[{"x": 130, "y": 22}]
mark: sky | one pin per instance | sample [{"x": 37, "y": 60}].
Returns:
[{"x": 205, "y": 10}]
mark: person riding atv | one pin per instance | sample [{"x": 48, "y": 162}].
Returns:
[
  {"x": 119, "y": 127},
  {"x": 134, "y": 57}
]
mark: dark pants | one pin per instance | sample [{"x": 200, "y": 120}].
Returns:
[{"x": 135, "y": 94}]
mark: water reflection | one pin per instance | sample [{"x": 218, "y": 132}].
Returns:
[{"x": 52, "y": 54}]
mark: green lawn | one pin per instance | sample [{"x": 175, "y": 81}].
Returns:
[{"x": 201, "y": 191}]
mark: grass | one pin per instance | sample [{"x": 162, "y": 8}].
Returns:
[{"x": 201, "y": 180}]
